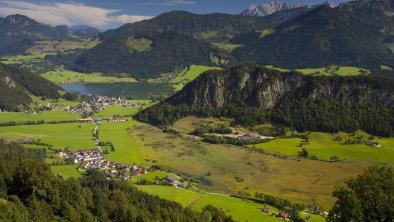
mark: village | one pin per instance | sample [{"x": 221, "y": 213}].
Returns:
[
  {"x": 98, "y": 103},
  {"x": 95, "y": 160}
]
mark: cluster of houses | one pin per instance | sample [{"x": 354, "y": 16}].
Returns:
[
  {"x": 244, "y": 136},
  {"x": 360, "y": 141},
  {"x": 175, "y": 182},
  {"x": 42, "y": 108},
  {"x": 280, "y": 215},
  {"x": 98, "y": 103},
  {"x": 93, "y": 159}
]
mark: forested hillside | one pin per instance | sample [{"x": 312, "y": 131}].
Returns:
[
  {"x": 145, "y": 56},
  {"x": 29, "y": 191},
  {"x": 19, "y": 32},
  {"x": 253, "y": 95},
  {"x": 16, "y": 85},
  {"x": 359, "y": 36}
]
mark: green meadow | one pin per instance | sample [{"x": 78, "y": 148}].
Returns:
[
  {"x": 195, "y": 70},
  {"x": 227, "y": 46},
  {"x": 54, "y": 115},
  {"x": 240, "y": 210},
  {"x": 124, "y": 111},
  {"x": 327, "y": 71},
  {"x": 323, "y": 146},
  {"x": 127, "y": 149},
  {"x": 66, "y": 171},
  {"x": 68, "y": 77},
  {"x": 75, "y": 136}
]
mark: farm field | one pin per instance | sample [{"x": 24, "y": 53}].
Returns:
[
  {"x": 54, "y": 115},
  {"x": 323, "y": 146},
  {"x": 339, "y": 70},
  {"x": 342, "y": 71},
  {"x": 216, "y": 166},
  {"x": 227, "y": 46},
  {"x": 195, "y": 70},
  {"x": 123, "y": 111},
  {"x": 62, "y": 76},
  {"x": 22, "y": 59},
  {"x": 240, "y": 210},
  {"x": 66, "y": 171},
  {"x": 75, "y": 136},
  {"x": 127, "y": 149}
]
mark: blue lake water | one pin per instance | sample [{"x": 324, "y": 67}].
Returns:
[{"x": 136, "y": 90}]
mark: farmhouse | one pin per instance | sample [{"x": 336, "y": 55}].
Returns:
[{"x": 373, "y": 144}]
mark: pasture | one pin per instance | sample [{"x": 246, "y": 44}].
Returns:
[
  {"x": 240, "y": 210},
  {"x": 66, "y": 171},
  {"x": 62, "y": 76},
  {"x": 54, "y": 115},
  {"x": 216, "y": 166},
  {"x": 323, "y": 146},
  {"x": 328, "y": 71},
  {"x": 74, "y": 136},
  {"x": 195, "y": 70}
]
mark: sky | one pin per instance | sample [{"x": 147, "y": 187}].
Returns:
[{"x": 105, "y": 14}]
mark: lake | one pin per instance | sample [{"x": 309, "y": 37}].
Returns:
[{"x": 136, "y": 90}]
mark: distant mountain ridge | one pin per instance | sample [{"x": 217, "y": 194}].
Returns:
[
  {"x": 353, "y": 34},
  {"x": 18, "y": 33},
  {"x": 270, "y": 8}
]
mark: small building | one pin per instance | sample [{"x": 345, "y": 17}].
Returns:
[
  {"x": 266, "y": 210},
  {"x": 282, "y": 215}
]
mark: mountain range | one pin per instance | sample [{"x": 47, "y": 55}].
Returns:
[
  {"x": 270, "y": 8},
  {"x": 19, "y": 32},
  {"x": 356, "y": 33}
]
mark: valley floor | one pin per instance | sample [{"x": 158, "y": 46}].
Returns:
[{"x": 220, "y": 168}]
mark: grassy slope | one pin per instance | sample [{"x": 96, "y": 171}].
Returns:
[
  {"x": 194, "y": 71},
  {"x": 58, "y": 135},
  {"x": 127, "y": 149},
  {"x": 323, "y": 146},
  {"x": 342, "y": 71},
  {"x": 55, "y": 115},
  {"x": 67, "y": 76},
  {"x": 66, "y": 171},
  {"x": 239, "y": 209}
]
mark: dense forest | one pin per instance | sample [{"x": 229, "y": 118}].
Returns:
[
  {"x": 347, "y": 35},
  {"x": 17, "y": 84},
  {"x": 29, "y": 191},
  {"x": 253, "y": 95},
  {"x": 144, "y": 56}
]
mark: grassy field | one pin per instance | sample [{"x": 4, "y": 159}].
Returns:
[
  {"x": 195, "y": 70},
  {"x": 54, "y": 115},
  {"x": 226, "y": 46},
  {"x": 69, "y": 77},
  {"x": 66, "y": 171},
  {"x": 303, "y": 180},
  {"x": 21, "y": 59},
  {"x": 127, "y": 149},
  {"x": 323, "y": 146},
  {"x": 123, "y": 111},
  {"x": 338, "y": 70},
  {"x": 151, "y": 176},
  {"x": 240, "y": 210},
  {"x": 75, "y": 136}
]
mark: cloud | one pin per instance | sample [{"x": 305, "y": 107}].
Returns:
[
  {"x": 173, "y": 2},
  {"x": 69, "y": 14}
]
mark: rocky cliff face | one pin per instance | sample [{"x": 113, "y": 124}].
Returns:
[
  {"x": 270, "y": 8},
  {"x": 255, "y": 86}
]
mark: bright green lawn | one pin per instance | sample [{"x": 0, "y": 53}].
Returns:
[
  {"x": 59, "y": 135},
  {"x": 151, "y": 176},
  {"x": 195, "y": 70},
  {"x": 55, "y": 115},
  {"x": 240, "y": 210},
  {"x": 67, "y": 76},
  {"x": 127, "y": 151},
  {"x": 118, "y": 110},
  {"x": 323, "y": 146},
  {"x": 66, "y": 171}
]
